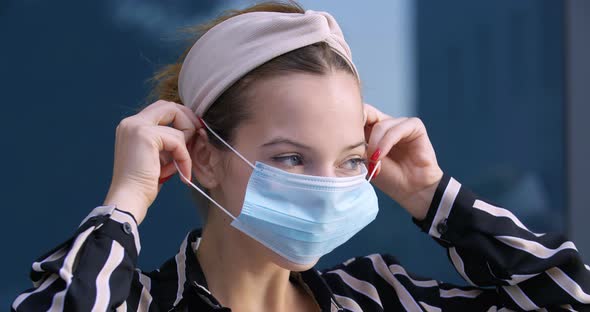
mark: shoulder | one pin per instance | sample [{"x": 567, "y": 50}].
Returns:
[{"x": 162, "y": 286}]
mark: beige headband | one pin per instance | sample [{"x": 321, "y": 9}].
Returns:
[{"x": 236, "y": 46}]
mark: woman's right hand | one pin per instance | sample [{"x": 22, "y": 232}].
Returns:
[{"x": 145, "y": 145}]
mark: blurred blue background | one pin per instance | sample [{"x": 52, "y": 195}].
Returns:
[{"x": 489, "y": 79}]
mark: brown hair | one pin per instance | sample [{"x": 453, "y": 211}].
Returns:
[{"x": 230, "y": 108}]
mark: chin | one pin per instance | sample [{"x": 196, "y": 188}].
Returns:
[{"x": 268, "y": 254}]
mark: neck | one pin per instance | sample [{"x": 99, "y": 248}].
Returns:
[{"x": 238, "y": 275}]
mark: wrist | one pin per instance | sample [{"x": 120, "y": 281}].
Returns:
[
  {"x": 128, "y": 202},
  {"x": 419, "y": 202}
]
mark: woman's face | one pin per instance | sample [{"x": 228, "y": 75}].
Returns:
[{"x": 301, "y": 123}]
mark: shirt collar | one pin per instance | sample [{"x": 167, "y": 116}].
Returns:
[{"x": 200, "y": 296}]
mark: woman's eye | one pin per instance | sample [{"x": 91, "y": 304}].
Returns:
[
  {"x": 289, "y": 160},
  {"x": 354, "y": 163}
]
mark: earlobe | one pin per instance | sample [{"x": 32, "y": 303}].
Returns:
[{"x": 204, "y": 156}]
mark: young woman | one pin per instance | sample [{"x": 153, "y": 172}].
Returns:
[{"x": 264, "y": 112}]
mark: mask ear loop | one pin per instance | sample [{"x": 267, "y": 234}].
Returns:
[
  {"x": 226, "y": 144},
  {"x": 196, "y": 187},
  {"x": 374, "y": 170},
  {"x": 202, "y": 192}
]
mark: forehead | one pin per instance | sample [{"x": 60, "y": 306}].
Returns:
[{"x": 308, "y": 107}]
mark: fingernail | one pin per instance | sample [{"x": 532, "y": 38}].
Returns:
[
  {"x": 201, "y": 121},
  {"x": 371, "y": 167},
  {"x": 163, "y": 180},
  {"x": 376, "y": 155}
]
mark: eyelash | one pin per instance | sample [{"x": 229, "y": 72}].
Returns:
[
  {"x": 284, "y": 158},
  {"x": 359, "y": 160},
  {"x": 281, "y": 159}
]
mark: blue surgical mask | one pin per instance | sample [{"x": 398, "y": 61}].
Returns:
[{"x": 302, "y": 217}]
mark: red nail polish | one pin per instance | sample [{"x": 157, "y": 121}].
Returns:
[
  {"x": 371, "y": 167},
  {"x": 376, "y": 155},
  {"x": 201, "y": 121},
  {"x": 163, "y": 180}
]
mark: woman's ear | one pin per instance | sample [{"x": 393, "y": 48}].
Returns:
[{"x": 204, "y": 157}]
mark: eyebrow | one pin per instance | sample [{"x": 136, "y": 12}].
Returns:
[{"x": 281, "y": 140}]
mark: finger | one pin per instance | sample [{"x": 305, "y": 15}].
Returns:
[
  {"x": 174, "y": 132},
  {"x": 191, "y": 114},
  {"x": 168, "y": 113},
  {"x": 162, "y": 103},
  {"x": 378, "y": 132},
  {"x": 373, "y": 115},
  {"x": 170, "y": 142},
  {"x": 164, "y": 160},
  {"x": 165, "y": 113},
  {"x": 168, "y": 170},
  {"x": 168, "y": 167},
  {"x": 405, "y": 131}
]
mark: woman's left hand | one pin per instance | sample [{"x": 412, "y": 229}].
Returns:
[{"x": 409, "y": 172}]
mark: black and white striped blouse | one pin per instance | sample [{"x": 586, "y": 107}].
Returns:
[{"x": 507, "y": 266}]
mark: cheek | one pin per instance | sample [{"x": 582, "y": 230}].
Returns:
[{"x": 234, "y": 185}]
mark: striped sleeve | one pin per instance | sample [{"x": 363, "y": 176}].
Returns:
[
  {"x": 489, "y": 246},
  {"x": 507, "y": 266},
  {"x": 91, "y": 271}
]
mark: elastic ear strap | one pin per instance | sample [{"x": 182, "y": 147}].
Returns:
[
  {"x": 374, "y": 170},
  {"x": 226, "y": 144},
  {"x": 202, "y": 192}
]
